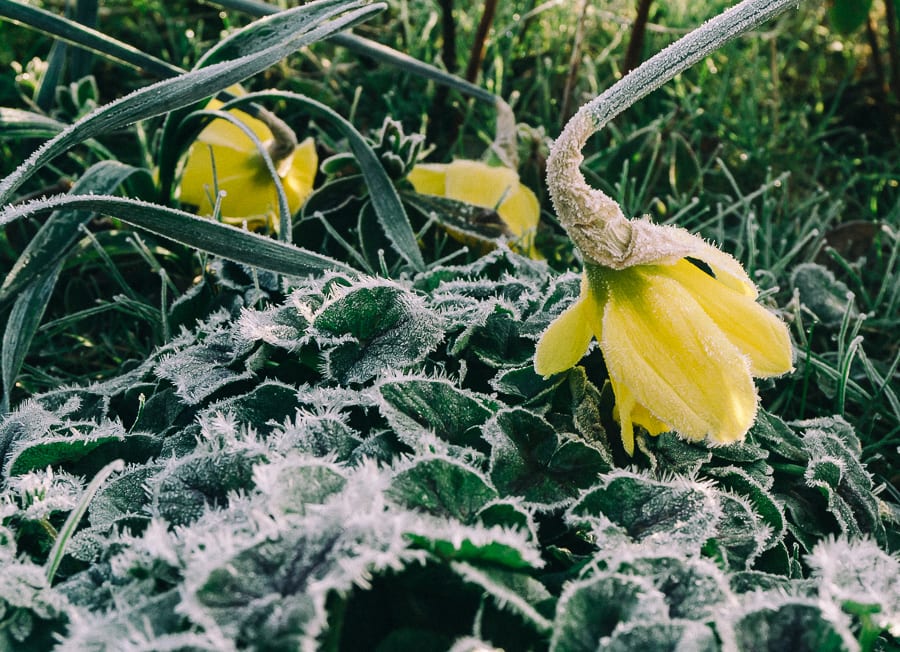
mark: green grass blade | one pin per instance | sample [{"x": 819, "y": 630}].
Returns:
[
  {"x": 71, "y": 524},
  {"x": 16, "y": 124},
  {"x": 23, "y": 322},
  {"x": 390, "y": 210},
  {"x": 58, "y": 235},
  {"x": 313, "y": 22},
  {"x": 86, "y": 38},
  {"x": 188, "y": 229},
  {"x": 376, "y": 51}
]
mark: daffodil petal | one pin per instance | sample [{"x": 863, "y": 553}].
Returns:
[
  {"x": 566, "y": 339},
  {"x": 298, "y": 181},
  {"x": 520, "y": 210},
  {"x": 622, "y": 412},
  {"x": 428, "y": 178},
  {"x": 480, "y": 184},
  {"x": 659, "y": 343},
  {"x": 755, "y": 331}
]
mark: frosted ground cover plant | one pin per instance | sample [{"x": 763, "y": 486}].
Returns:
[{"x": 358, "y": 452}]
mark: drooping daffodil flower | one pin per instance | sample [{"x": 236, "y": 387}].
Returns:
[
  {"x": 682, "y": 338},
  {"x": 676, "y": 319},
  {"x": 494, "y": 187},
  {"x": 225, "y": 158}
]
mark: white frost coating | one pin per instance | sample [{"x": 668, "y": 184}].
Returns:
[{"x": 593, "y": 220}]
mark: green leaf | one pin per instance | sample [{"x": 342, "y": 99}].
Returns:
[
  {"x": 741, "y": 534},
  {"x": 375, "y": 327},
  {"x": 694, "y": 588},
  {"x": 671, "y": 635},
  {"x": 857, "y": 575},
  {"x": 591, "y": 610},
  {"x": 628, "y": 507},
  {"x": 189, "y": 486},
  {"x": 413, "y": 404},
  {"x": 530, "y": 459},
  {"x": 296, "y": 27},
  {"x": 835, "y": 470},
  {"x": 83, "y": 453},
  {"x": 826, "y": 297},
  {"x": 764, "y": 503},
  {"x": 293, "y": 485},
  {"x": 511, "y": 591},
  {"x": 121, "y": 497},
  {"x": 776, "y": 622},
  {"x": 443, "y": 488}
]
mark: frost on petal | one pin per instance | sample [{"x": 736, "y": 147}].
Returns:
[
  {"x": 652, "y": 244},
  {"x": 566, "y": 339},
  {"x": 755, "y": 331},
  {"x": 660, "y": 344}
]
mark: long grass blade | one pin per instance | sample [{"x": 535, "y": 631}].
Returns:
[
  {"x": 58, "y": 235},
  {"x": 213, "y": 237},
  {"x": 310, "y": 22},
  {"x": 86, "y": 38},
  {"x": 23, "y": 322}
]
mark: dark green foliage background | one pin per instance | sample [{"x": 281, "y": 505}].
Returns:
[{"x": 364, "y": 458}]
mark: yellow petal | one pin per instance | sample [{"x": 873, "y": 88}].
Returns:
[
  {"x": 727, "y": 270},
  {"x": 673, "y": 359},
  {"x": 428, "y": 178},
  {"x": 478, "y": 183},
  {"x": 755, "y": 331},
  {"x": 566, "y": 339},
  {"x": 520, "y": 210},
  {"x": 298, "y": 181}
]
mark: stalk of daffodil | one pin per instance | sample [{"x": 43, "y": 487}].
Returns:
[
  {"x": 676, "y": 319},
  {"x": 225, "y": 158}
]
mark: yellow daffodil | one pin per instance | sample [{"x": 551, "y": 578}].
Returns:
[
  {"x": 676, "y": 319},
  {"x": 225, "y": 158},
  {"x": 682, "y": 340},
  {"x": 480, "y": 184}
]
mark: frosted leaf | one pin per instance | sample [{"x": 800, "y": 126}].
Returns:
[
  {"x": 374, "y": 327},
  {"x": 861, "y": 574},
  {"x": 627, "y": 507}
]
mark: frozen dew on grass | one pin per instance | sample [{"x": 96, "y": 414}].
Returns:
[{"x": 676, "y": 319}]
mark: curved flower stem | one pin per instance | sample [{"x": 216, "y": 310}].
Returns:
[
  {"x": 593, "y": 220},
  {"x": 284, "y": 140}
]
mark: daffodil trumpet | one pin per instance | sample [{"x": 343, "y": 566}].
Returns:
[{"x": 676, "y": 319}]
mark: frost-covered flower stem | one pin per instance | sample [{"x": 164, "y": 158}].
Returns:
[{"x": 593, "y": 220}]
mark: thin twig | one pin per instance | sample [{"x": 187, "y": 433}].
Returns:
[
  {"x": 633, "y": 54},
  {"x": 893, "y": 46},
  {"x": 479, "y": 45}
]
